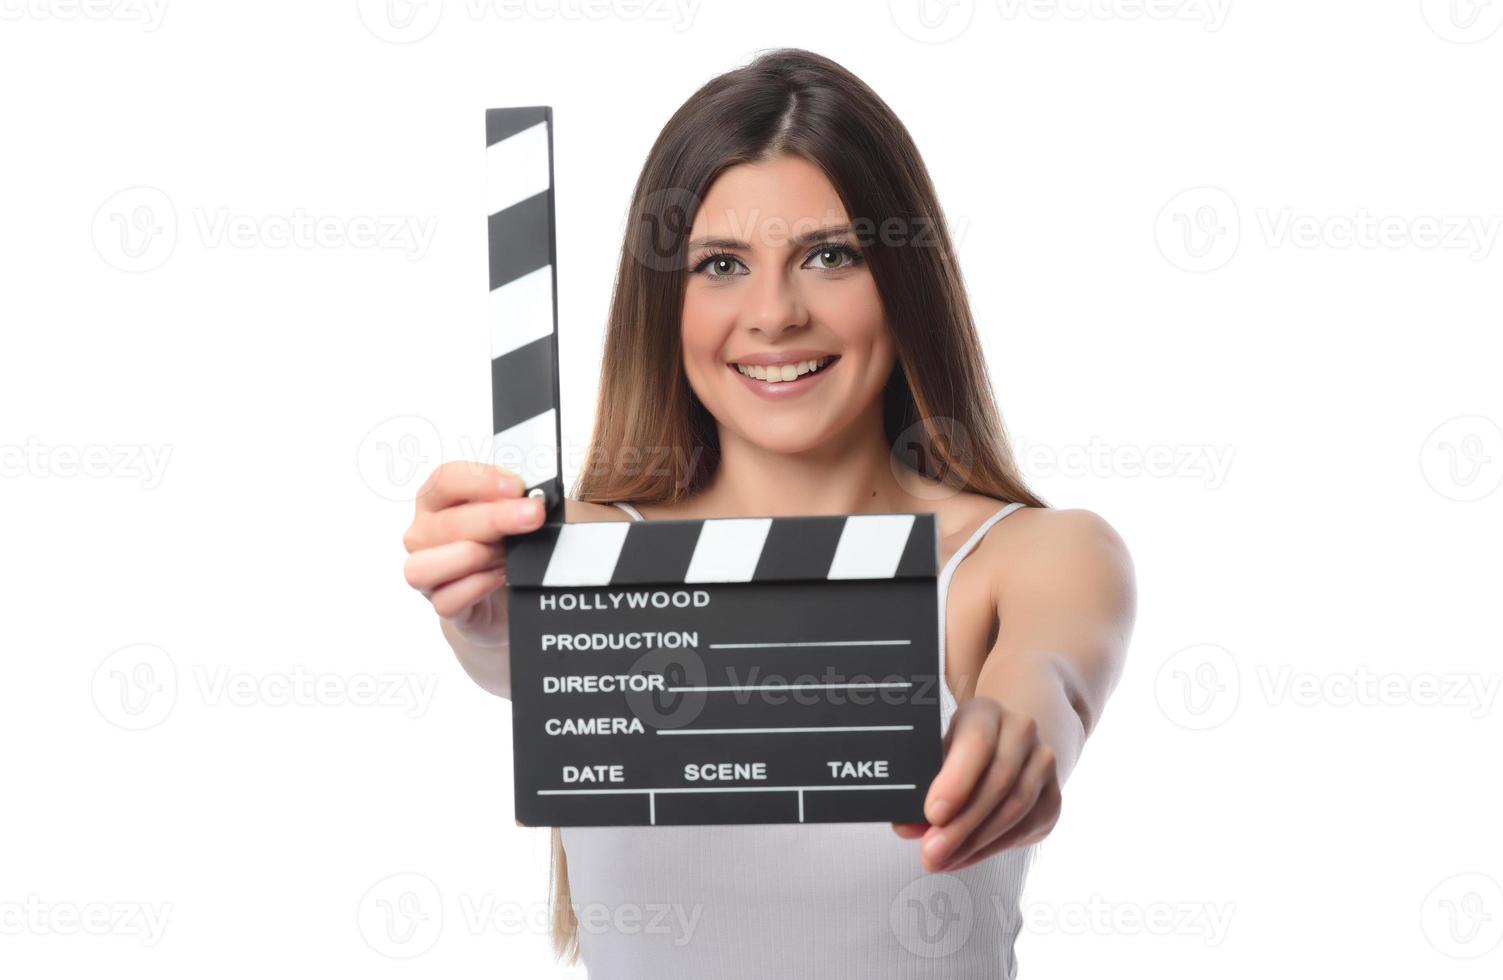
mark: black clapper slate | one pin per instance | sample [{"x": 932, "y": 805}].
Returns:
[{"x": 739, "y": 670}]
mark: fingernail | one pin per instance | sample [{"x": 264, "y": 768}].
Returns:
[
  {"x": 934, "y": 846},
  {"x": 938, "y": 811}
]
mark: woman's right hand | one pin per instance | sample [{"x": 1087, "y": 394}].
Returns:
[{"x": 455, "y": 555}]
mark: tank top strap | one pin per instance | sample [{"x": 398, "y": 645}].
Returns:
[
  {"x": 970, "y": 545},
  {"x": 946, "y": 696},
  {"x": 636, "y": 515}
]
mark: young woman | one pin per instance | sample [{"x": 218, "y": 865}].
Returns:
[{"x": 789, "y": 335}]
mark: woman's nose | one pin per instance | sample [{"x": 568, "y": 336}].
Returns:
[{"x": 774, "y": 306}]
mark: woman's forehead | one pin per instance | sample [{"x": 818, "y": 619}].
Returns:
[{"x": 768, "y": 203}]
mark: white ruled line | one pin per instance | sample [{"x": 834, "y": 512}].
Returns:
[
  {"x": 800, "y": 806},
  {"x": 720, "y": 789},
  {"x": 811, "y": 643},
  {"x": 789, "y": 687},
  {"x": 768, "y": 731},
  {"x": 652, "y": 808}
]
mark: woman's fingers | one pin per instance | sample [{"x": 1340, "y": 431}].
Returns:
[
  {"x": 1015, "y": 741},
  {"x": 484, "y": 521},
  {"x": 1017, "y": 806},
  {"x": 940, "y": 845},
  {"x": 458, "y": 481},
  {"x": 454, "y": 599},
  {"x": 970, "y": 743},
  {"x": 430, "y": 568},
  {"x": 1031, "y": 829}
]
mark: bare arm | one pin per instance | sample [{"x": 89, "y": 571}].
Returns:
[{"x": 1066, "y": 597}]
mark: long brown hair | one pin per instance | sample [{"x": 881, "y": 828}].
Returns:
[{"x": 938, "y": 400}]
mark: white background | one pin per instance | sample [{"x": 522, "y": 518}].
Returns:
[{"x": 1238, "y": 274}]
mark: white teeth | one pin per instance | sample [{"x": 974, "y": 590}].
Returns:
[{"x": 781, "y": 372}]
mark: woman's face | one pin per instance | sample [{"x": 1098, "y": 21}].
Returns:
[{"x": 777, "y": 284}]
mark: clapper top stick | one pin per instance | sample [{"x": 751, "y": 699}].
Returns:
[{"x": 733, "y": 670}]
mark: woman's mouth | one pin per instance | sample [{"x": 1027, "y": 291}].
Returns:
[{"x": 784, "y": 380}]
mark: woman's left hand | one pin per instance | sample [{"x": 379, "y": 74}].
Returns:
[{"x": 997, "y": 788}]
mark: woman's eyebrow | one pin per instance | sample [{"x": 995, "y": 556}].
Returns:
[{"x": 807, "y": 238}]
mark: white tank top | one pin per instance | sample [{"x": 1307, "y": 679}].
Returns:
[{"x": 828, "y": 901}]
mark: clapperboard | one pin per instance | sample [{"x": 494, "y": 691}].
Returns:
[{"x": 738, "y": 670}]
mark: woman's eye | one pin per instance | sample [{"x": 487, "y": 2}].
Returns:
[
  {"x": 833, "y": 257},
  {"x": 721, "y": 266}
]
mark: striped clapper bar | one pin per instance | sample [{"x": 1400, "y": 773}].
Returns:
[
  {"x": 747, "y": 670},
  {"x": 523, "y": 308}
]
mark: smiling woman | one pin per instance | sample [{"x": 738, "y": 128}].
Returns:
[{"x": 789, "y": 320}]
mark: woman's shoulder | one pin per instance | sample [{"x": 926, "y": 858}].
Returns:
[{"x": 1046, "y": 548}]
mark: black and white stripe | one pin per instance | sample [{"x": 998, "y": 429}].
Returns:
[
  {"x": 751, "y": 549},
  {"x": 523, "y": 307}
]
